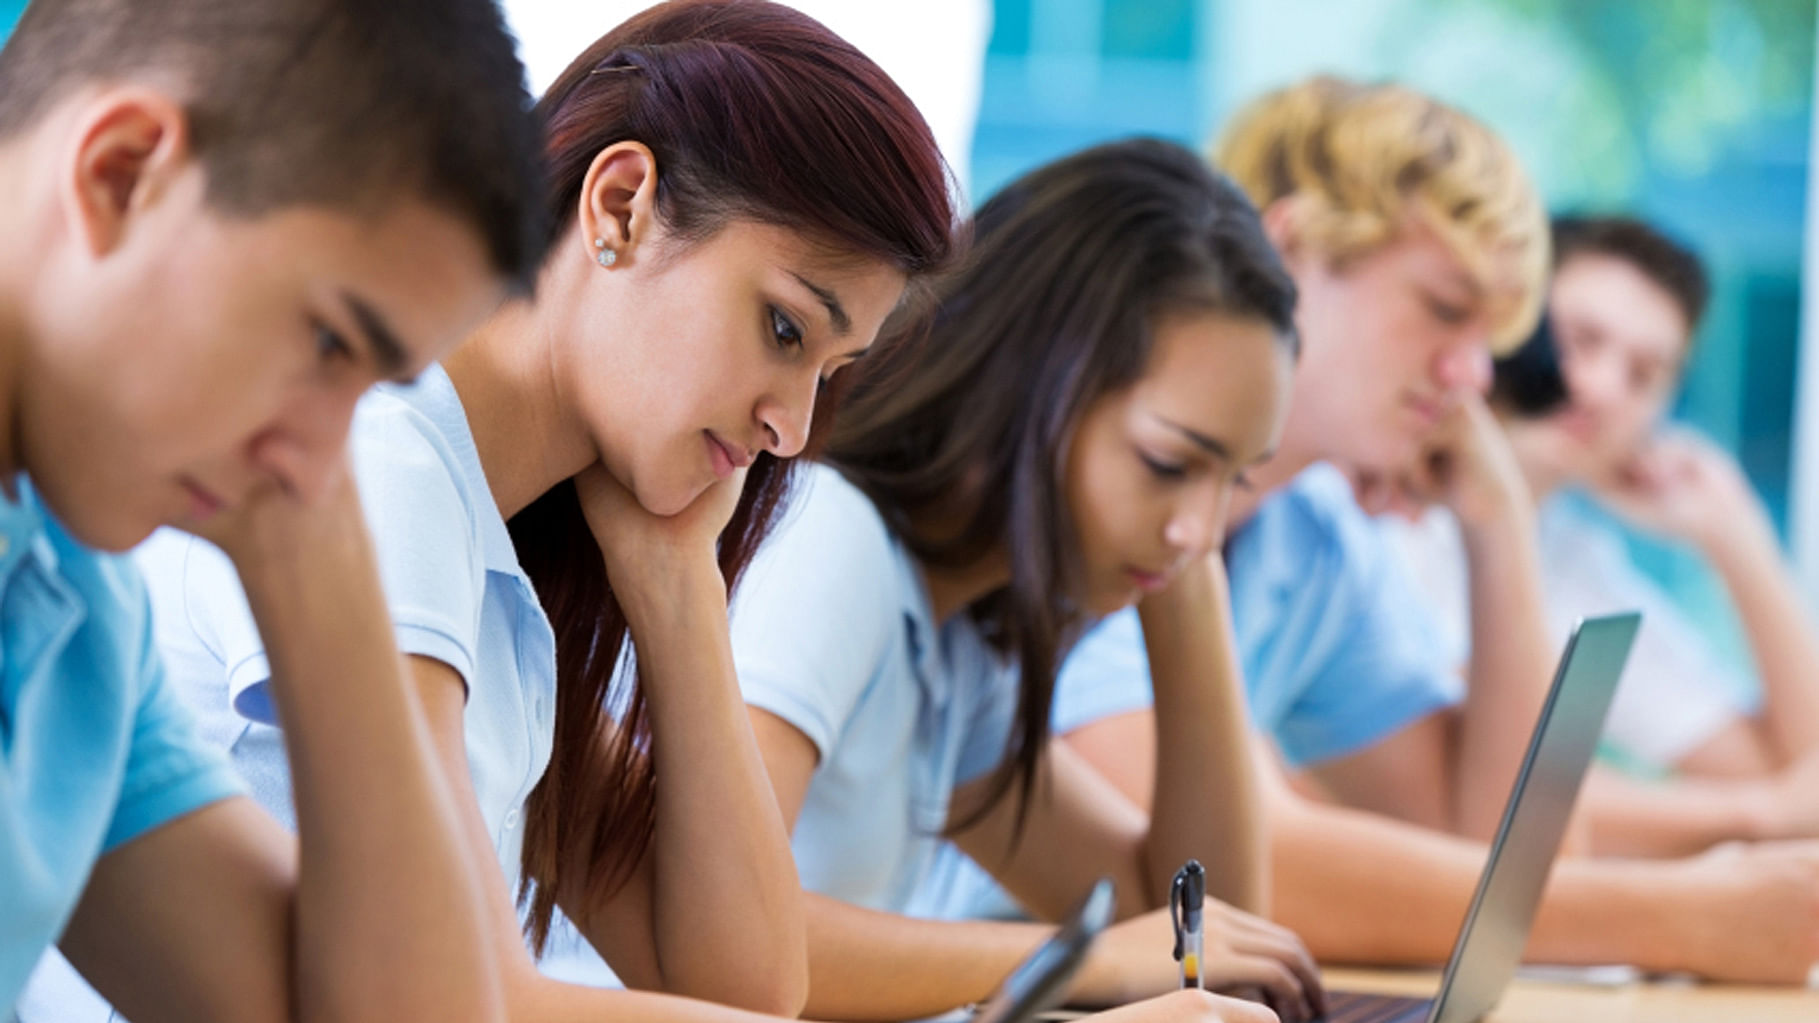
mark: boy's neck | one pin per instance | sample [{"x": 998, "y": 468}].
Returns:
[
  {"x": 17, "y": 226},
  {"x": 1291, "y": 457}
]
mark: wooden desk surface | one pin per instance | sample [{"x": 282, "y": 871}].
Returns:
[{"x": 1531, "y": 1001}]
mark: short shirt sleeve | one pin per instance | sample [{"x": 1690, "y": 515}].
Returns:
[
  {"x": 1377, "y": 663},
  {"x": 1106, "y": 674},
  {"x": 419, "y": 507},
  {"x": 814, "y": 615},
  {"x": 170, "y": 770}
]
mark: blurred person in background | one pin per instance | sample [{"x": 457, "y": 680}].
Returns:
[
  {"x": 1625, "y": 304},
  {"x": 1419, "y": 248}
]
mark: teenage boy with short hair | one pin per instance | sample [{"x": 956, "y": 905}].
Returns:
[
  {"x": 1625, "y": 302},
  {"x": 225, "y": 221}
]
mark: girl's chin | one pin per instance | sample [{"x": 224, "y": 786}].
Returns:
[
  {"x": 668, "y": 501},
  {"x": 1111, "y": 602},
  {"x": 674, "y": 508}
]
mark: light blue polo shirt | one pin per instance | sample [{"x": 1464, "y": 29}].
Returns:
[
  {"x": 1339, "y": 647},
  {"x": 456, "y": 593},
  {"x": 1337, "y": 642},
  {"x": 833, "y": 632},
  {"x": 95, "y": 750}
]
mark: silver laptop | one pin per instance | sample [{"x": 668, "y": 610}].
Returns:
[{"x": 1509, "y": 891}]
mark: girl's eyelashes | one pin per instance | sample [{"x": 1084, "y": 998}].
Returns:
[
  {"x": 784, "y": 331},
  {"x": 1244, "y": 482},
  {"x": 330, "y": 345},
  {"x": 1163, "y": 470}
]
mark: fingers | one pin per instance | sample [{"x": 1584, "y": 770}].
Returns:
[
  {"x": 1281, "y": 988},
  {"x": 602, "y": 496},
  {"x": 1410, "y": 497},
  {"x": 1188, "y": 1006},
  {"x": 1232, "y": 1010},
  {"x": 1370, "y": 489},
  {"x": 1805, "y": 850},
  {"x": 1253, "y": 935},
  {"x": 722, "y": 500},
  {"x": 1287, "y": 950}
]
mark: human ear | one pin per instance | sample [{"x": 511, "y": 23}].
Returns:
[
  {"x": 1282, "y": 223},
  {"x": 618, "y": 204},
  {"x": 129, "y": 148}
]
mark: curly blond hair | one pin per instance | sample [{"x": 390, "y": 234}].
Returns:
[{"x": 1364, "y": 160}]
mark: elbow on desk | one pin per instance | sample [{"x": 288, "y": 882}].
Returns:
[
  {"x": 771, "y": 985},
  {"x": 401, "y": 999}
]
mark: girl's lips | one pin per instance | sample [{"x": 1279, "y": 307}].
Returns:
[
  {"x": 1149, "y": 582},
  {"x": 203, "y": 505},
  {"x": 726, "y": 459}
]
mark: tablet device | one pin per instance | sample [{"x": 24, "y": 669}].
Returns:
[{"x": 1040, "y": 981}]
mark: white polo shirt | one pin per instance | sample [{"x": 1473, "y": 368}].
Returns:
[
  {"x": 1676, "y": 692},
  {"x": 833, "y": 633}
]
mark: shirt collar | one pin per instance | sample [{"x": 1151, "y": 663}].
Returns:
[
  {"x": 920, "y": 628},
  {"x": 23, "y": 527},
  {"x": 1266, "y": 565},
  {"x": 434, "y": 393}
]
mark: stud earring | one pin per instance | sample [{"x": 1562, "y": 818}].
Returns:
[{"x": 607, "y": 257}]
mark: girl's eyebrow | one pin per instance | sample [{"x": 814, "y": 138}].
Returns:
[
  {"x": 1211, "y": 445},
  {"x": 836, "y": 313}
]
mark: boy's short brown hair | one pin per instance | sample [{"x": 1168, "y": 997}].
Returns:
[{"x": 344, "y": 103}]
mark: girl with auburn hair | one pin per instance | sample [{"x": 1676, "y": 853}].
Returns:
[
  {"x": 741, "y": 198},
  {"x": 1056, "y": 437}
]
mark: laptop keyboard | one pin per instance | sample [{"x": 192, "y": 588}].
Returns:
[{"x": 1352, "y": 1007}]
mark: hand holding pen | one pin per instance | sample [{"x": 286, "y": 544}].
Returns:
[{"x": 1186, "y": 909}]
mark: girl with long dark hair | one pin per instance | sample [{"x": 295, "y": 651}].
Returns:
[{"x": 1055, "y": 437}]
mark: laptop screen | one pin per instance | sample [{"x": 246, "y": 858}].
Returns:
[{"x": 1566, "y": 735}]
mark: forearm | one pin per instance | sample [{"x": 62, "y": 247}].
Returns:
[
  {"x": 727, "y": 914},
  {"x": 1634, "y": 818},
  {"x": 1360, "y": 888},
  {"x": 868, "y": 965},
  {"x": 1509, "y": 673},
  {"x": 1780, "y": 633},
  {"x": 534, "y": 998},
  {"x": 390, "y": 919},
  {"x": 1203, "y": 759},
  {"x": 1613, "y": 911}
]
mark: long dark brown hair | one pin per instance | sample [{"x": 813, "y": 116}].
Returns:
[
  {"x": 963, "y": 412},
  {"x": 753, "y": 111}
]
